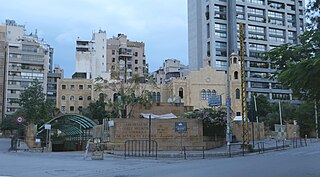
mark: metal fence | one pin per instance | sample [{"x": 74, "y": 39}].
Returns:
[{"x": 141, "y": 148}]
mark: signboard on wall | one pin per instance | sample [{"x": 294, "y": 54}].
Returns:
[{"x": 214, "y": 100}]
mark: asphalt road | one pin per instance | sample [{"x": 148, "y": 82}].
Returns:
[{"x": 300, "y": 162}]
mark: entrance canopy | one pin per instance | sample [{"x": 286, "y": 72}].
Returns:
[{"x": 70, "y": 124}]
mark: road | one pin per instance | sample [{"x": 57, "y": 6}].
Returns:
[{"x": 299, "y": 162}]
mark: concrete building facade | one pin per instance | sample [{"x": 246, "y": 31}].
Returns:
[
  {"x": 91, "y": 56},
  {"x": 172, "y": 68},
  {"x": 52, "y": 81},
  {"x": 117, "y": 57},
  {"x": 126, "y": 58},
  {"x": 27, "y": 60},
  {"x": 213, "y": 34},
  {"x": 3, "y": 62}
]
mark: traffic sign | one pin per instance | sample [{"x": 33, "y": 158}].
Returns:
[{"x": 20, "y": 119}]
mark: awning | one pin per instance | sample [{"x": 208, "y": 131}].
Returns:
[{"x": 158, "y": 116}]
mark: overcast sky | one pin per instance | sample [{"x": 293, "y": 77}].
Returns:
[{"x": 160, "y": 24}]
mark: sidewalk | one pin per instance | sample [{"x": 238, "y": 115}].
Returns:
[{"x": 235, "y": 150}]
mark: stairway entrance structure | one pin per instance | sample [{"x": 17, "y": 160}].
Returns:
[{"x": 68, "y": 132}]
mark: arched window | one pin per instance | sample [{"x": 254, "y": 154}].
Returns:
[
  {"x": 235, "y": 60},
  {"x": 203, "y": 94},
  {"x": 208, "y": 94},
  {"x": 63, "y": 97},
  {"x": 71, "y": 98},
  {"x": 89, "y": 98},
  {"x": 115, "y": 97},
  {"x": 158, "y": 97},
  {"x": 154, "y": 97},
  {"x": 80, "y": 98},
  {"x": 181, "y": 93},
  {"x": 237, "y": 93},
  {"x": 214, "y": 92},
  {"x": 235, "y": 75}
]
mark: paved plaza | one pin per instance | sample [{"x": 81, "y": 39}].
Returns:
[{"x": 293, "y": 162}]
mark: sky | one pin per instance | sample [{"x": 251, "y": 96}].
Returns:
[{"x": 160, "y": 24}]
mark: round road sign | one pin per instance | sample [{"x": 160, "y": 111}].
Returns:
[{"x": 19, "y": 119}]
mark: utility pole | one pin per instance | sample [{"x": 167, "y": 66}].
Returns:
[{"x": 245, "y": 131}]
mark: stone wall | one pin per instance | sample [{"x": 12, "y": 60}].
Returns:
[
  {"x": 236, "y": 127},
  {"x": 162, "y": 131}
]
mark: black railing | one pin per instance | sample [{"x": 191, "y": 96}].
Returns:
[
  {"x": 141, "y": 148},
  {"x": 185, "y": 150}
]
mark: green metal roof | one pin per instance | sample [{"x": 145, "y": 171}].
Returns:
[{"x": 70, "y": 124}]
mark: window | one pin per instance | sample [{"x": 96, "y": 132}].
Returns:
[
  {"x": 71, "y": 108},
  {"x": 203, "y": 95},
  {"x": 113, "y": 59},
  {"x": 113, "y": 52},
  {"x": 135, "y": 61},
  {"x": 63, "y": 108},
  {"x": 89, "y": 87},
  {"x": 63, "y": 87},
  {"x": 80, "y": 98},
  {"x": 71, "y": 87},
  {"x": 63, "y": 97},
  {"x": 80, "y": 87},
  {"x": 221, "y": 27},
  {"x": 154, "y": 96},
  {"x": 181, "y": 92},
  {"x": 80, "y": 108},
  {"x": 237, "y": 93},
  {"x": 235, "y": 75},
  {"x": 238, "y": 114},
  {"x": 89, "y": 98},
  {"x": 71, "y": 98}
]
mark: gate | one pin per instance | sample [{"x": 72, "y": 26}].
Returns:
[{"x": 141, "y": 148}]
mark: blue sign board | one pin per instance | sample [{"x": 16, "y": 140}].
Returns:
[
  {"x": 180, "y": 126},
  {"x": 214, "y": 100}
]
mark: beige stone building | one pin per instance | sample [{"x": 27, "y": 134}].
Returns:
[
  {"x": 198, "y": 86},
  {"x": 74, "y": 94},
  {"x": 194, "y": 90}
]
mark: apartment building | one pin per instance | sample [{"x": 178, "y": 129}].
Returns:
[
  {"x": 2, "y": 72},
  {"x": 117, "y": 57},
  {"x": 91, "y": 56},
  {"x": 213, "y": 34},
  {"x": 27, "y": 59},
  {"x": 126, "y": 58},
  {"x": 57, "y": 73},
  {"x": 172, "y": 68}
]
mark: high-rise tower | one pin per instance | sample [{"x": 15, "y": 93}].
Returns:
[{"x": 213, "y": 35}]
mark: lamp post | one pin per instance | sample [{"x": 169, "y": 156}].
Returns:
[
  {"x": 280, "y": 114},
  {"x": 316, "y": 117},
  {"x": 149, "y": 133}
]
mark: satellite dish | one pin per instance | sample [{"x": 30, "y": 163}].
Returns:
[{"x": 170, "y": 100}]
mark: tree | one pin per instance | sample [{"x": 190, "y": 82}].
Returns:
[
  {"x": 214, "y": 121},
  {"x": 127, "y": 95},
  {"x": 96, "y": 110},
  {"x": 263, "y": 106},
  {"x": 34, "y": 107},
  {"x": 299, "y": 64}
]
